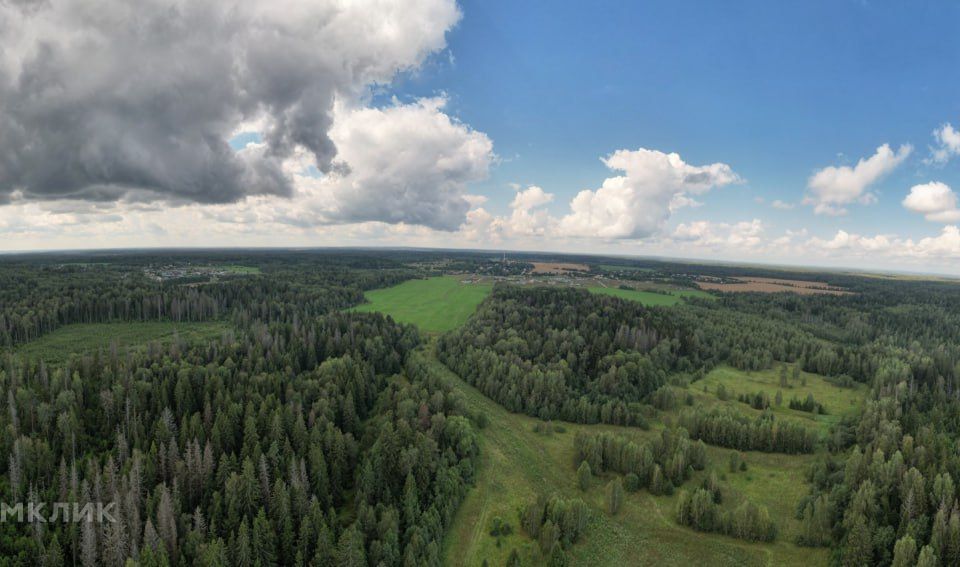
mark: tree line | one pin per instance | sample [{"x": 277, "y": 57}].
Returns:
[{"x": 669, "y": 458}]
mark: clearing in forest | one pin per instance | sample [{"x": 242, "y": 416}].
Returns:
[
  {"x": 435, "y": 305},
  {"x": 792, "y": 384},
  {"x": 57, "y": 346},
  {"x": 651, "y": 298},
  {"x": 517, "y": 463}
]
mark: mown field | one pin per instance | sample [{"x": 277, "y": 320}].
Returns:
[
  {"x": 59, "y": 345},
  {"x": 518, "y": 463},
  {"x": 435, "y": 305},
  {"x": 649, "y": 297}
]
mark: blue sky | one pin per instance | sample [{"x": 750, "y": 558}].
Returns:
[
  {"x": 777, "y": 90},
  {"x": 637, "y": 128}
]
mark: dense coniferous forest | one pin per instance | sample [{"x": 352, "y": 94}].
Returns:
[
  {"x": 310, "y": 435},
  {"x": 41, "y": 294},
  {"x": 290, "y": 444},
  {"x": 568, "y": 354},
  {"x": 305, "y": 437}
]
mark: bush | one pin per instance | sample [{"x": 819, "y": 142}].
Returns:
[{"x": 500, "y": 528}]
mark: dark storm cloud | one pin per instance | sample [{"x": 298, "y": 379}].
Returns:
[{"x": 104, "y": 100}]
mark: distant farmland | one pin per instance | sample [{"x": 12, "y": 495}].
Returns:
[
  {"x": 773, "y": 285},
  {"x": 435, "y": 305},
  {"x": 558, "y": 268}
]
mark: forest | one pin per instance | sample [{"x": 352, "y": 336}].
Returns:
[{"x": 310, "y": 434}]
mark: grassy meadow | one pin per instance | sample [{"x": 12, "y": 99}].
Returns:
[
  {"x": 836, "y": 401},
  {"x": 517, "y": 463},
  {"x": 57, "y": 346},
  {"x": 435, "y": 305}
]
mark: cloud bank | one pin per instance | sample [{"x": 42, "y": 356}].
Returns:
[{"x": 109, "y": 100}]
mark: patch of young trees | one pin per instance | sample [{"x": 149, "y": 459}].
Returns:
[
  {"x": 555, "y": 522},
  {"x": 660, "y": 465},
  {"x": 808, "y": 404},
  {"x": 757, "y": 400},
  {"x": 728, "y": 428},
  {"x": 700, "y": 511}
]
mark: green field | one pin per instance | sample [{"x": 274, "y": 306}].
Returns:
[
  {"x": 57, "y": 346},
  {"x": 649, "y": 297},
  {"x": 435, "y": 305},
  {"x": 518, "y": 463}
]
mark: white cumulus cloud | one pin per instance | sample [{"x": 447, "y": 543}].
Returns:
[
  {"x": 834, "y": 187},
  {"x": 936, "y": 201},
  {"x": 639, "y": 202},
  {"x": 405, "y": 163},
  {"x": 527, "y": 216}
]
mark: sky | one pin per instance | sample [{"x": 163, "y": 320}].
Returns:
[{"x": 810, "y": 133}]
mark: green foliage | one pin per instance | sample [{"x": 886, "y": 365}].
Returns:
[
  {"x": 809, "y": 405},
  {"x": 747, "y": 521},
  {"x": 721, "y": 426},
  {"x": 499, "y": 527},
  {"x": 241, "y": 452},
  {"x": 615, "y": 497},
  {"x": 650, "y": 298},
  {"x": 555, "y": 519},
  {"x": 758, "y": 400},
  {"x": 905, "y": 552},
  {"x": 584, "y": 476},
  {"x": 672, "y": 453}
]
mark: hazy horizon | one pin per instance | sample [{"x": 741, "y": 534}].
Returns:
[{"x": 693, "y": 261}]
